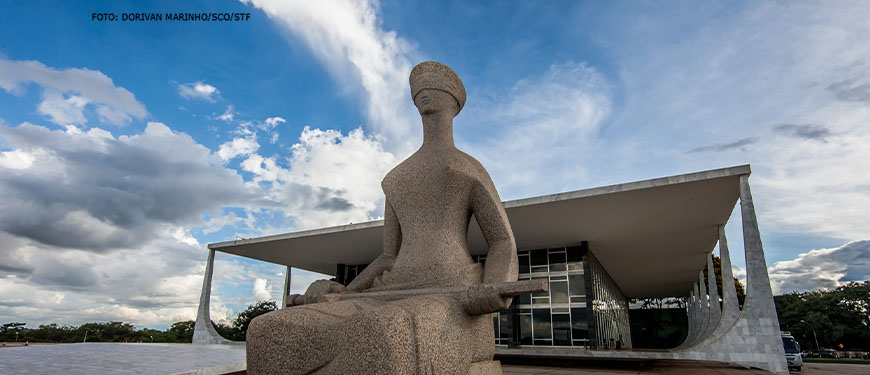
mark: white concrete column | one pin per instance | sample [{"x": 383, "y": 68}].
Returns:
[
  {"x": 730, "y": 304},
  {"x": 715, "y": 309},
  {"x": 705, "y": 301},
  {"x": 758, "y": 307},
  {"x": 754, "y": 338},
  {"x": 203, "y": 331},
  {"x": 286, "y": 288},
  {"x": 695, "y": 322},
  {"x": 758, "y": 293},
  {"x": 730, "y": 307},
  {"x": 690, "y": 312}
]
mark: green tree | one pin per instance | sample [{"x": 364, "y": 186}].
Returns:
[
  {"x": 245, "y": 317},
  {"x": 181, "y": 331},
  {"x": 838, "y": 316},
  {"x": 13, "y": 326},
  {"x": 228, "y": 332},
  {"x": 110, "y": 332}
]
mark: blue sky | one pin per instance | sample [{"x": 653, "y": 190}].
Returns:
[{"x": 126, "y": 147}]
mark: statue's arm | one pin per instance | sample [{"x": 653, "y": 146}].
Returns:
[
  {"x": 384, "y": 262},
  {"x": 501, "y": 260}
]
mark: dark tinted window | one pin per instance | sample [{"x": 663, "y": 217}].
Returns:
[
  {"x": 790, "y": 345},
  {"x": 539, "y": 257},
  {"x": 524, "y": 263},
  {"x": 541, "y": 319},
  {"x": 557, "y": 262}
]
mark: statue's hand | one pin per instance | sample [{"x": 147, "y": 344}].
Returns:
[
  {"x": 318, "y": 290},
  {"x": 295, "y": 300},
  {"x": 483, "y": 299}
]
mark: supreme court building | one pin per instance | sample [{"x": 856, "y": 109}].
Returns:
[{"x": 598, "y": 248}]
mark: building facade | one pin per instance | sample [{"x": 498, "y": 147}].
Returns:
[{"x": 597, "y": 248}]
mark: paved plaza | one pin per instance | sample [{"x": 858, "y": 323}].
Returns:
[
  {"x": 187, "y": 359},
  {"x": 679, "y": 368},
  {"x": 117, "y": 358}
]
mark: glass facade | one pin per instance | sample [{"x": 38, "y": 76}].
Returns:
[
  {"x": 345, "y": 273},
  {"x": 583, "y": 308},
  {"x": 559, "y": 317},
  {"x": 609, "y": 309}
]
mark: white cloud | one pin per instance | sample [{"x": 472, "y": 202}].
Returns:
[
  {"x": 346, "y": 36},
  {"x": 63, "y": 110},
  {"x": 228, "y": 114},
  {"x": 198, "y": 90},
  {"x": 822, "y": 268},
  {"x": 262, "y": 290},
  {"x": 120, "y": 215},
  {"x": 99, "y": 193},
  {"x": 217, "y": 223},
  {"x": 17, "y": 159},
  {"x": 272, "y": 122},
  {"x": 789, "y": 76},
  {"x": 66, "y": 93},
  {"x": 238, "y": 147},
  {"x": 119, "y": 211},
  {"x": 331, "y": 179},
  {"x": 534, "y": 131},
  {"x": 161, "y": 279}
]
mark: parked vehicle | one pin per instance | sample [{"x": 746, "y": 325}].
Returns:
[
  {"x": 827, "y": 353},
  {"x": 793, "y": 357},
  {"x": 805, "y": 353}
]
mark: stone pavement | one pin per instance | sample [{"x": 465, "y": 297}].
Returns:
[
  {"x": 673, "y": 367},
  {"x": 117, "y": 358}
]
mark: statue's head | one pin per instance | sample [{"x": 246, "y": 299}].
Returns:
[{"x": 436, "y": 87}]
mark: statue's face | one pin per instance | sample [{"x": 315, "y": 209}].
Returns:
[{"x": 429, "y": 101}]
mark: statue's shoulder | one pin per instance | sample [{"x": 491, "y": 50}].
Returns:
[
  {"x": 469, "y": 166},
  {"x": 394, "y": 175}
]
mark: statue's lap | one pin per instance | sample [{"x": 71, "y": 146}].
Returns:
[{"x": 424, "y": 332}]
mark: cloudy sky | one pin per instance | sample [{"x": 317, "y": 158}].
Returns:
[{"x": 126, "y": 147}]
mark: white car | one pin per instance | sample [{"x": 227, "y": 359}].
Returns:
[{"x": 792, "y": 352}]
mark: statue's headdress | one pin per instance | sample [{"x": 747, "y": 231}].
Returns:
[{"x": 435, "y": 75}]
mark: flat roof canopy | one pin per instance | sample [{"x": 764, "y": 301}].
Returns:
[{"x": 652, "y": 236}]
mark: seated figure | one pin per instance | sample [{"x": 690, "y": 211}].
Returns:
[{"x": 430, "y": 198}]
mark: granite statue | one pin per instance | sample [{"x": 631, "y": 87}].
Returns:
[{"x": 423, "y": 306}]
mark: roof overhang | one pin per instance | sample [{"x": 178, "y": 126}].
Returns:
[{"x": 652, "y": 236}]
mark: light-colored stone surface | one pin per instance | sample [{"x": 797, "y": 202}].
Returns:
[
  {"x": 754, "y": 339},
  {"x": 671, "y": 367},
  {"x": 117, "y": 358},
  {"x": 715, "y": 309},
  {"x": 203, "y": 330},
  {"x": 677, "y": 368},
  {"x": 430, "y": 199}
]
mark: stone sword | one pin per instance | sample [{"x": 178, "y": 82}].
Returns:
[{"x": 505, "y": 289}]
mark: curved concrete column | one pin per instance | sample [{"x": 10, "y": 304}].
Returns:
[
  {"x": 703, "y": 312},
  {"x": 730, "y": 306},
  {"x": 203, "y": 331},
  {"x": 705, "y": 309},
  {"x": 689, "y": 320},
  {"x": 754, "y": 339},
  {"x": 715, "y": 313},
  {"x": 715, "y": 309},
  {"x": 694, "y": 318},
  {"x": 710, "y": 308}
]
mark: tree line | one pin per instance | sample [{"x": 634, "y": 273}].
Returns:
[
  {"x": 838, "y": 316},
  {"x": 179, "y": 332}
]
